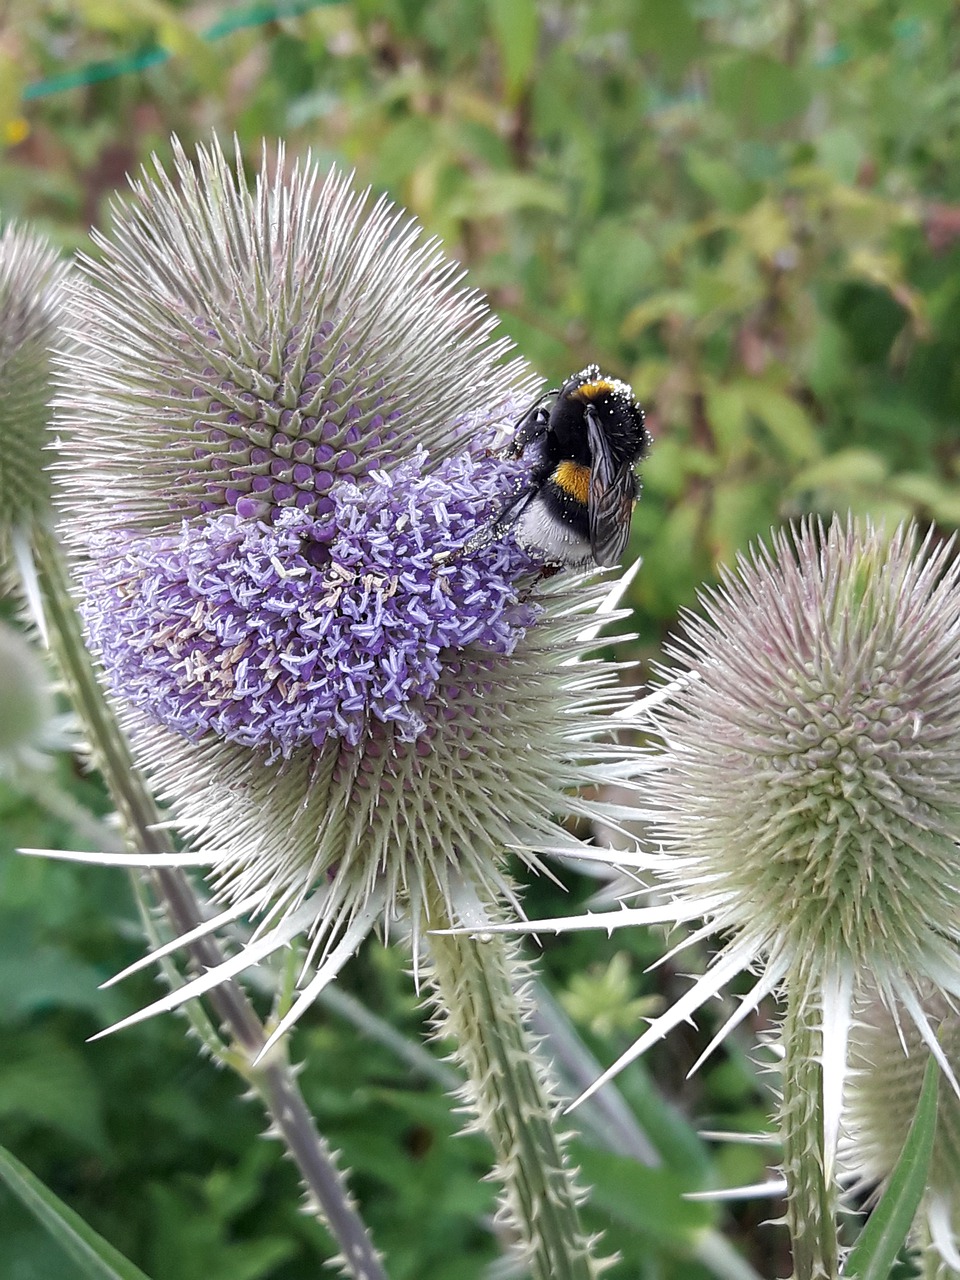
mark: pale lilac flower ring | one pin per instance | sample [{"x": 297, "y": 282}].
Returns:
[{"x": 281, "y": 635}]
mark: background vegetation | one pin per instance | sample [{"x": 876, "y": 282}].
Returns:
[{"x": 750, "y": 209}]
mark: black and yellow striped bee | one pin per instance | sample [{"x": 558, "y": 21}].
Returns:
[{"x": 578, "y": 501}]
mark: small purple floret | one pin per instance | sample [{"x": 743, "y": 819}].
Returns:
[{"x": 281, "y": 635}]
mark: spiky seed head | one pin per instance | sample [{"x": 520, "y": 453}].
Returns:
[
  {"x": 281, "y": 417},
  {"x": 887, "y": 1058},
  {"x": 264, "y": 346},
  {"x": 812, "y": 761},
  {"x": 31, "y": 279}
]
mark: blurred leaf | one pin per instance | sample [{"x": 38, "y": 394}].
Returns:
[
  {"x": 888, "y": 1226},
  {"x": 96, "y": 1256},
  {"x": 766, "y": 229},
  {"x": 660, "y": 306},
  {"x": 848, "y": 469},
  {"x": 43, "y": 1081},
  {"x": 727, "y": 412},
  {"x": 673, "y": 558},
  {"x": 490, "y": 195},
  {"x": 615, "y": 265},
  {"x": 665, "y": 471},
  {"x": 193, "y": 1228},
  {"x": 667, "y": 30},
  {"x": 885, "y": 270},
  {"x": 721, "y": 180},
  {"x": 827, "y": 358},
  {"x": 13, "y": 126},
  {"x": 740, "y": 513},
  {"x": 46, "y": 977},
  {"x": 404, "y": 146},
  {"x": 758, "y": 91},
  {"x": 604, "y": 998},
  {"x": 841, "y": 151},
  {"x": 650, "y": 1201},
  {"x": 930, "y": 495},
  {"x": 786, "y": 421},
  {"x": 516, "y": 27}
]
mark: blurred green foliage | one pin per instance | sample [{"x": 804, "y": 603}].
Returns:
[{"x": 749, "y": 208}]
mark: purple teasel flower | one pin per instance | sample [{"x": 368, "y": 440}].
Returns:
[{"x": 280, "y": 413}]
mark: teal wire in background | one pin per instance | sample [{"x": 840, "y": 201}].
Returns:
[{"x": 94, "y": 72}]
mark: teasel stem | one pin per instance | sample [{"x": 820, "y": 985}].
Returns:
[
  {"x": 273, "y": 1079},
  {"x": 811, "y": 1187},
  {"x": 479, "y": 1005}
]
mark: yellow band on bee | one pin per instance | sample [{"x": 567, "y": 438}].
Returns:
[{"x": 573, "y": 478}]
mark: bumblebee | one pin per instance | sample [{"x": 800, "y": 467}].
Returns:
[{"x": 577, "y": 505}]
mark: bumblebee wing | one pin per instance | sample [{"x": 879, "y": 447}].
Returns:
[
  {"x": 610, "y": 511},
  {"x": 611, "y": 498}
]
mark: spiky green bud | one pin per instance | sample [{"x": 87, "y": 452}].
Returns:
[
  {"x": 31, "y": 275},
  {"x": 812, "y": 761}
]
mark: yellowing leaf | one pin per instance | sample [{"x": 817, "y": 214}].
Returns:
[{"x": 765, "y": 229}]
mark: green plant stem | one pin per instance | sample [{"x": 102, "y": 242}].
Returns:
[
  {"x": 273, "y": 1079},
  {"x": 811, "y": 1196},
  {"x": 478, "y": 1005}
]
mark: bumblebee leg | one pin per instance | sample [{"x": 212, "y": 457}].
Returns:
[
  {"x": 533, "y": 426},
  {"x": 492, "y": 529}
]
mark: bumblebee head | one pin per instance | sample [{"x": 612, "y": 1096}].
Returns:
[{"x": 621, "y": 417}]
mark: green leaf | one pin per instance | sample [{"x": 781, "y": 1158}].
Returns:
[
  {"x": 740, "y": 512},
  {"x": 845, "y": 470},
  {"x": 44, "y": 1081},
  {"x": 875, "y": 1252},
  {"x": 667, "y": 30},
  {"x": 98, "y": 1258},
  {"x": 726, "y": 411},
  {"x": 491, "y": 195},
  {"x": 36, "y": 975},
  {"x": 786, "y": 421},
  {"x": 941, "y": 501},
  {"x": 671, "y": 302},
  {"x": 649, "y": 1201},
  {"x": 758, "y": 92},
  {"x": 516, "y": 27},
  {"x": 721, "y": 180}
]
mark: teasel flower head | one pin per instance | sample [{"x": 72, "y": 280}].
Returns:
[
  {"x": 31, "y": 278},
  {"x": 280, "y": 414},
  {"x": 887, "y": 1061},
  {"x": 803, "y": 803}
]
